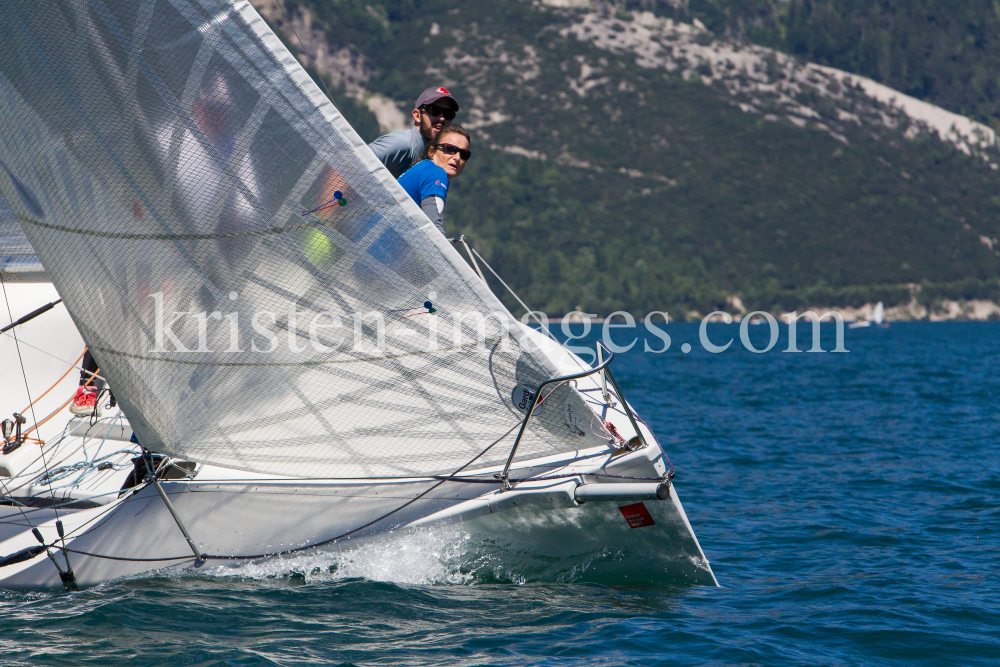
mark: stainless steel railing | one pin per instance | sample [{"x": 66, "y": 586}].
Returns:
[{"x": 602, "y": 366}]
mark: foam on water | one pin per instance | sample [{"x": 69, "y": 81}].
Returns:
[
  {"x": 442, "y": 554},
  {"x": 425, "y": 556},
  {"x": 850, "y": 505}
]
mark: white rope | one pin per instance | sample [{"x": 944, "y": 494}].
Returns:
[{"x": 514, "y": 294}]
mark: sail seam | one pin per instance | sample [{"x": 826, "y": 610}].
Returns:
[
  {"x": 291, "y": 363},
  {"x": 170, "y": 237}
]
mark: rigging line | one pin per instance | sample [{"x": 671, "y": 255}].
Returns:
[
  {"x": 338, "y": 197},
  {"x": 514, "y": 294},
  {"x": 27, "y": 390},
  {"x": 309, "y": 546},
  {"x": 62, "y": 472},
  {"x": 34, "y": 477},
  {"x": 50, "y": 416},
  {"x": 635, "y": 414},
  {"x": 373, "y": 522},
  {"x": 469, "y": 253},
  {"x": 56, "y": 383},
  {"x": 28, "y": 477},
  {"x": 624, "y": 403},
  {"x": 3, "y": 285},
  {"x": 71, "y": 365},
  {"x": 405, "y": 310},
  {"x": 480, "y": 480},
  {"x": 281, "y": 6}
]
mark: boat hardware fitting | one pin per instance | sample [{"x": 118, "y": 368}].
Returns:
[
  {"x": 504, "y": 476},
  {"x": 199, "y": 558},
  {"x": 628, "y": 411},
  {"x": 32, "y": 315},
  {"x": 617, "y": 491}
]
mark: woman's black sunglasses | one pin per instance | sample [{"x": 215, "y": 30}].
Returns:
[
  {"x": 451, "y": 149},
  {"x": 435, "y": 110}
]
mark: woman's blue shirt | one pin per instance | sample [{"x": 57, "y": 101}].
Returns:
[{"x": 425, "y": 179}]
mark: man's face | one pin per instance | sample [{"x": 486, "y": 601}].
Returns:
[{"x": 431, "y": 119}]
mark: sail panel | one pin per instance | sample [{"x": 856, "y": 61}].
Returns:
[
  {"x": 18, "y": 261},
  {"x": 249, "y": 277}
]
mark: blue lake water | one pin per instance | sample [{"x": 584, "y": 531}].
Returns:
[{"x": 849, "y": 505}]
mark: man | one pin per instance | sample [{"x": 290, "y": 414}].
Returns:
[{"x": 434, "y": 110}]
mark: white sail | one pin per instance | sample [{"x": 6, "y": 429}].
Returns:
[
  {"x": 877, "y": 313},
  {"x": 18, "y": 261},
  {"x": 163, "y": 158}
]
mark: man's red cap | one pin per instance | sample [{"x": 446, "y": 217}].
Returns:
[{"x": 432, "y": 95}]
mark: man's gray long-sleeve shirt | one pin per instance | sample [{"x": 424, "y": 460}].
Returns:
[{"x": 400, "y": 149}]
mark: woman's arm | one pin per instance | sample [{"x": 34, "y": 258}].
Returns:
[{"x": 433, "y": 207}]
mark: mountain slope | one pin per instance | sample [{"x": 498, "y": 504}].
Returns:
[
  {"x": 947, "y": 53},
  {"x": 624, "y": 162}
]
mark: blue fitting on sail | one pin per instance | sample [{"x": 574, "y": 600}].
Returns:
[
  {"x": 430, "y": 310},
  {"x": 338, "y": 200}
]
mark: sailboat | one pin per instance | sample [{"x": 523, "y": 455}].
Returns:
[
  {"x": 875, "y": 319},
  {"x": 300, "y": 359}
]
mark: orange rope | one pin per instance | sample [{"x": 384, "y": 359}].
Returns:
[
  {"x": 57, "y": 381},
  {"x": 57, "y": 411},
  {"x": 60, "y": 409}
]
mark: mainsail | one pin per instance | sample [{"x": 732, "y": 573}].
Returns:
[
  {"x": 249, "y": 277},
  {"x": 18, "y": 261}
]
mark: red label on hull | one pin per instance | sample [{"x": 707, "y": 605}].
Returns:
[{"x": 637, "y": 515}]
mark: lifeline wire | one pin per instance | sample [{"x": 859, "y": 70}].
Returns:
[
  {"x": 441, "y": 480},
  {"x": 623, "y": 402},
  {"x": 309, "y": 546},
  {"x": 52, "y": 493},
  {"x": 71, "y": 365},
  {"x": 514, "y": 294},
  {"x": 27, "y": 390}
]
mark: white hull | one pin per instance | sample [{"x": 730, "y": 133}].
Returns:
[
  {"x": 250, "y": 518},
  {"x": 246, "y": 517}
]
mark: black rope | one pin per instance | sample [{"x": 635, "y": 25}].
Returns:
[
  {"x": 667, "y": 479},
  {"x": 443, "y": 478},
  {"x": 133, "y": 560},
  {"x": 308, "y": 546}
]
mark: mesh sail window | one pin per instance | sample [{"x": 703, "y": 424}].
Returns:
[
  {"x": 249, "y": 277},
  {"x": 18, "y": 261}
]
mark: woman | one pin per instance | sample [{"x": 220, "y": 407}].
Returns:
[{"x": 427, "y": 181}]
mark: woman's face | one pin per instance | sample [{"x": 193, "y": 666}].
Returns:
[{"x": 452, "y": 164}]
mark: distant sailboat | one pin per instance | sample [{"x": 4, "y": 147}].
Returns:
[
  {"x": 875, "y": 320},
  {"x": 303, "y": 357}
]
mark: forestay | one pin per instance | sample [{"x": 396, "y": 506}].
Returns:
[{"x": 248, "y": 276}]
